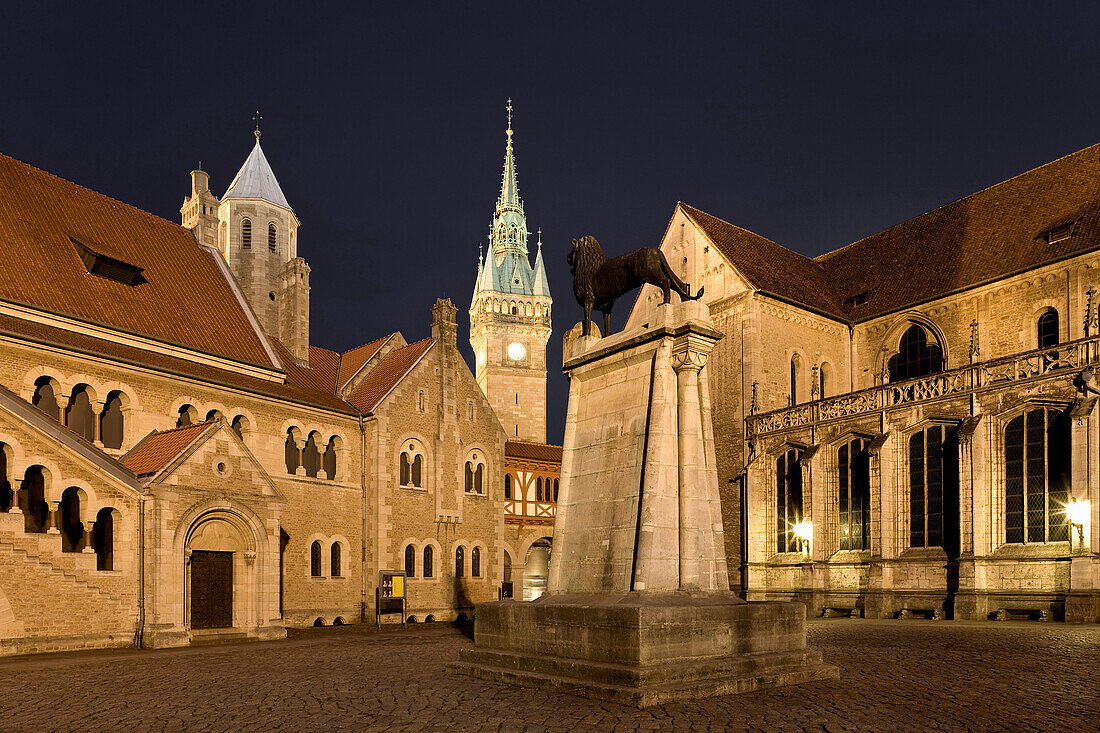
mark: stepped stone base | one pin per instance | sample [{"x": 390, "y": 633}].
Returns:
[{"x": 643, "y": 649}]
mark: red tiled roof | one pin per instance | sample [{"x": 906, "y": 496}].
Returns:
[
  {"x": 533, "y": 451},
  {"x": 160, "y": 448},
  {"x": 352, "y": 361},
  {"x": 770, "y": 267},
  {"x": 387, "y": 374},
  {"x": 985, "y": 236},
  {"x": 186, "y": 301}
]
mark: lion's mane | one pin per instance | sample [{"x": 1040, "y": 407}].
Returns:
[{"x": 588, "y": 256}]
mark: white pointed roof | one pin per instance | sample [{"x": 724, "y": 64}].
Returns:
[{"x": 256, "y": 180}]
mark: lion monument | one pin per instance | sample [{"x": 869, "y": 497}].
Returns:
[{"x": 599, "y": 281}]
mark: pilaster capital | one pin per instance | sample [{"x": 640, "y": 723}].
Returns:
[{"x": 690, "y": 352}]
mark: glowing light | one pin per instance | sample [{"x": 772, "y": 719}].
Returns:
[
  {"x": 1078, "y": 511},
  {"x": 804, "y": 530},
  {"x": 516, "y": 352}
]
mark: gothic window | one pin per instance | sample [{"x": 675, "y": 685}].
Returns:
[
  {"x": 475, "y": 562},
  {"x": 246, "y": 233},
  {"x": 334, "y": 560},
  {"x": 428, "y": 553},
  {"x": 460, "y": 561},
  {"x": 72, "y": 529},
  {"x": 111, "y": 422},
  {"x": 854, "y": 498},
  {"x": 7, "y": 496},
  {"x": 933, "y": 484},
  {"x": 103, "y": 539},
  {"x": 412, "y": 464},
  {"x": 917, "y": 356},
  {"x": 45, "y": 399},
  {"x": 185, "y": 417},
  {"x": 330, "y": 459},
  {"x": 291, "y": 453},
  {"x": 538, "y": 489},
  {"x": 311, "y": 456},
  {"x": 410, "y": 561},
  {"x": 36, "y": 513},
  {"x": 788, "y": 499},
  {"x": 1037, "y": 473},
  {"x": 271, "y": 237},
  {"x": 1048, "y": 328},
  {"x": 507, "y": 486},
  {"x": 794, "y": 381},
  {"x": 315, "y": 559}
]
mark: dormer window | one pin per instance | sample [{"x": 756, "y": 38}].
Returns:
[
  {"x": 858, "y": 299},
  {"x": 108, "y": 267},
  {"x": 1059, "y": 233}
]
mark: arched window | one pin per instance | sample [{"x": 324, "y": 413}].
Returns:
[
  {"x": 479, "y": 479},
  {"x": 72, "y": 529},
  {"x": 410, "y": 561},
  {"x": 246, "y": 233},
  {"x": 933, "y": 481},
  {"x": 7, "y": 496},
  {"x": 239, "y": 425},
  {"x": 271, "y": 237},
  {"x": 824, "y": 379},
  {"x": 291, "y": 453},
  {"x": 36, "y": 513},
  {"x": 311, "y": 456},
  {"x": 538, "y": 489},
  {"x": 111, "y": 421},
  {"x": 1037, "y": 476},
  {"x": 460, "y": 561},
  {"x": 507, "y": 568},
  {"x": 788, "y": 499},
  {"x": 854, "y": 509},
  {"x": 412, "y": 464},
  {"x": 469, "y": 477},
  {"x": 315, "y": 559},
  {"x": 507, "y": 486},
  {"x": 45, "y": 399},
  {"x": 555, "y": 489},
  {"x": 475, "y": 473},
  {"x": 186, "y": 416},
  {"x": 213, "y": 415},
  {"x": 1048, "y": 328},
  {"x": 794, "y": 381},
  {"x": 475, "y": 562},
  {"x": 103, "y": 539},
  {"x": 428, "y": 557},
  {"x": 334, "y": 560},
  {"x": 330, "y": 459},
  {"x": 917, "y": 356}
]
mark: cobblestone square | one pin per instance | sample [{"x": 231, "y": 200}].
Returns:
[{"x": 896, "y": 675}]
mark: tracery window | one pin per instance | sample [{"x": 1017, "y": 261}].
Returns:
[
  {"x": 1037, "y": 476},
  {"x": 315, "y": 559},
  {"x": 412, "y": 464},
  {"x": 788, "y": 499},
  {"x": 916, "y": 357},
  {"x": 933, "y": 466},
  {"x": 410, "y": 561},
  {"x": 854, "y": 498},
  {"x": 428, "y": 557},
  {"x": 475, "y": 474},
  {"x": 246, "y": 233},
  {"x": 1048, "y": 328}
]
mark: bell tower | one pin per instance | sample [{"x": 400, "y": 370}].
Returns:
[{"x": 510, "y": 314}]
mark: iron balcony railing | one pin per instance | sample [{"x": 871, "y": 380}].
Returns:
[{"x": 974, "y": 378}]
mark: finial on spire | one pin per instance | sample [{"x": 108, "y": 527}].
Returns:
[
  {"x": 540, "y": 237},
  {"x": 256, "y": 118},
  {"x": 509, "y": 117}
]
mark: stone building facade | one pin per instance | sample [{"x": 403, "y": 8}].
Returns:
[
  {"x": 177, "y": 461},
  {"x": 906, "y": 425}
]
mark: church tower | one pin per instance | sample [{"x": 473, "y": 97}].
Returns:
[
  {"x": 510, "y": 315},
  {"x": 257, "y": 234}
]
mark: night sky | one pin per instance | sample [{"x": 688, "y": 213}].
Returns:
[{"x": 811, "y": 125}]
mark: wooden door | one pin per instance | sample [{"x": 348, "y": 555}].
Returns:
[{"x": 211, "y": 590}]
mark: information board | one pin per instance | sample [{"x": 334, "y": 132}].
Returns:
[{"x": 389, "y": 596}]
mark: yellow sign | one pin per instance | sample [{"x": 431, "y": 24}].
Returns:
[{"x": 398, "y": 586}]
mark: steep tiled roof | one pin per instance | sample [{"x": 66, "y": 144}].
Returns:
[
  {"x": 770, "y": 267},
  {"x": 186, "y": 299},
  {"x": 161, "y": 447},
  {"x": 532, "y": 451},
  {"x": 353, "y": 360},
  {"x": 985, "y": 236},
  {"x": 386, "y": 375}
]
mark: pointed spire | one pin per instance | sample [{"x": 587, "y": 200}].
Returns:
[
  {"x": 509, "y": 185},
  {"x": 255, "y": 179},
  {"x": 540, "y": 285}
]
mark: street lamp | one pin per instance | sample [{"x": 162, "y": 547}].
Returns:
[
  {"x": 804, "y": 533},
  {"x": 1078, "y": 512}
]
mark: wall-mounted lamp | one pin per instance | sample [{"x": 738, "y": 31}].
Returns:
[
  {"x": 1078, "y": 511},
  {"x": 804, "y": 533}
]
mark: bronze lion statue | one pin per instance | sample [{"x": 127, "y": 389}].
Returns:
[{"x": 599, "y": 281}]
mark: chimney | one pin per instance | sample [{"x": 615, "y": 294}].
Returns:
[{"x": 444, "y": 322}]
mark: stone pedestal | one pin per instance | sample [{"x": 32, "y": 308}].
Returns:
[{"x": 639, "y": 609}]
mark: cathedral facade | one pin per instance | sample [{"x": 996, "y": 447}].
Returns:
[
  {"x": 908, "y": 426},
  {"x": 179, "y": 462}
]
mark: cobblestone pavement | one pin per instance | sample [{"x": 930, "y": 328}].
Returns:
[{"x": 896, "y": 675}]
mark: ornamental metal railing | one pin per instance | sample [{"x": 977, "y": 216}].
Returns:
[{"x": 1063, "y": 359}]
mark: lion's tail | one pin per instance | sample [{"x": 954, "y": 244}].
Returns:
[{"x": 682, "y": 288}]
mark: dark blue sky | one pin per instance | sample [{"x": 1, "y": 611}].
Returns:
[{"x": 811, "y": 124}]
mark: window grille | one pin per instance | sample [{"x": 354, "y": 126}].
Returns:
[
  {"x": 916, "y": 357},
  {"x": 788, "y": 498},
  {"x": 1048, "y": 329},
  {"x": 1037, "y": 465},
  {"x": 854, "y": 469}
]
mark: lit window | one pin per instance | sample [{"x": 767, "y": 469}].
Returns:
[
  {"x": 788, "y": 499},
  {"x": 1037, "y": 475}
]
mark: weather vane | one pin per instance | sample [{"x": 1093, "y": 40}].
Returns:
[
  {"x": 509, "y": 114},
  {"x": 256, "y": 118}
]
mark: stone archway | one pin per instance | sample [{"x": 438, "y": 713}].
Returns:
[
  {"x": 536, "y": 569},
  {"x": 221, "y": 573}
]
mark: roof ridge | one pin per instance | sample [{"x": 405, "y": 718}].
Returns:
[
  {"x": 95, "y": 192},
  {"x": 746, "y": 231},
  {"x": 825, "y": 255},
  {"x": 532, "y": 442},
  {"x": 183, "y": 427}
]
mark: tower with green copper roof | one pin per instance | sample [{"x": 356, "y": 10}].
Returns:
[{"x": 510, "y": 313}]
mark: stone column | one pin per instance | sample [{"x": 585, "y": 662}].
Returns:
[
  {"x": 714, "y": 497},
  {"x": 696, "y": 553}
]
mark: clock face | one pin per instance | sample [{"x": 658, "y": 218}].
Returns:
[{"x": 516, "y": 352}]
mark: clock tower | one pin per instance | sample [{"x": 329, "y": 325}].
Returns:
[{"x": 510, "y": 315}]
